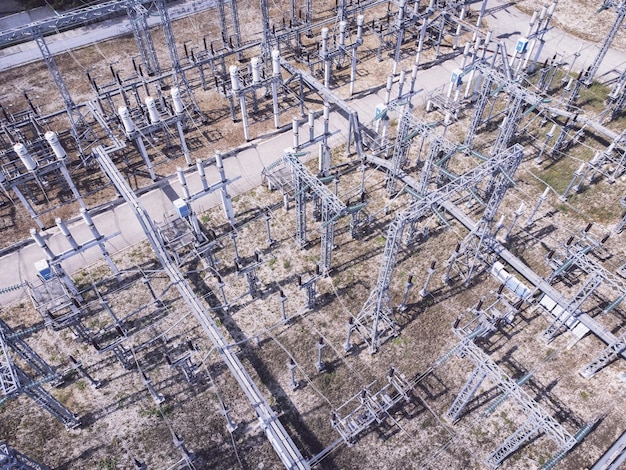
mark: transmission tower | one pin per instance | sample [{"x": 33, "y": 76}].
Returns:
[
  {"x": 138, "y": 16},
  {"x": 586, "y": 79},
  {"x": 14, "y": 380},
  {"x": 537, "y": 420},
  {"x": 474, "y": 249},
  {"x": 375, "y": 322},
  {"x": 11, "y": 459}
]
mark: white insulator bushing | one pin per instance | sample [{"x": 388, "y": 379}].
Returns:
[
  {"x": 86, "y": 217},
  {"x": 27, "y": 160},
  {"x": 153, "y": 112},
  {"x": 127, "y": 121},
  {"x": 62, "y": 227},
  {"x": 37, "y": 237},
  {"x": 389, "y": 82},
  {"x": 56, "y": 146},
  {"x": 234, "y": 78},
  {"x": 543, "y": 13},
  {"x": 488, "y": 38},
  {"x": 200, "y": 168},
  {"x": 326, "y": 111},
  {"x": 256, "y": 70},
  {"x": 342, "y": 32},
  {"x": 276, "y": 62},
  {"x": 181, "y": 176},
  {"x": 466, "y": 49},
  {"x": 324, "y": 33},
  {"x": 360, "y": 20},
  {"x": 533, "y": 18},
  {"x": 177, "y": 101},
  {"x": 218, "y": 160},
  {"x": 552, "y": 8},
  {"x": 581, "y": 168},
  {"x": 552, "y": 131}
]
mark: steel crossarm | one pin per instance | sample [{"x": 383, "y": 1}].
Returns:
[
  {"x": 9, "y": 381},
  {"x": 466, "y": 393},
  {"x": 553, "y": 429},
  {"x": 605, "y": 357},
  {"x": 66, "y": 20},
  {"x": 514, "y": 442},
  {"x": 10, "y": 459},
  {"x": 335, "y": 205},
  {"x": 277, "y": 435},
  {"x": 378, "y": 307},
  {"x": 519, "y": 93},
  {"x": 474, "y": 246}
]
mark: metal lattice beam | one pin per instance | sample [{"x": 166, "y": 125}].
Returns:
[
  {"x": 474, "y": 247},
  {"x": 467, "y": 393},
  {"x": 138, "y": 14},
  {"x": 537, "y": 418},
  {"x": 280, "y": 440},
  {"x": 377, "y": 309},
  {"x": 10, "y": 459}
]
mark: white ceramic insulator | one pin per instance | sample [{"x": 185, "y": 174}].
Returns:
[
  {"x": 127, "y": 121},
  {"x": 256, "y": 70},
  {"x": 27, "y": 160},
  {"x": 56, "y": 146},
  {"x": 276, "y": 62},
  {"x": 153, "y": 112},
  {"x": 234, "y": 78},
  {"x": 86, "y": 217},
  {"x": 177, "y": 101}
]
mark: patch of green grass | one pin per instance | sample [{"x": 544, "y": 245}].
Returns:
[
  {"x": 286, "y": 264},
  {"x": 107, "y": 463},
  {"x": 272, "y": 262},
  {"x": 155, "y": 411},
  {"x": 584, "y": 395}
]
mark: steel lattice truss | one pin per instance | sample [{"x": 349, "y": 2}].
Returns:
[
  {"x": 280, "y": 440},
  {"x": 332, "y": 208},
  {"x": 375, "y": 322},
  {"x": 537, "y": 421},
  {"x": 474, "y": 247},
  {"x": 10, "y": 459},
  {"x": 15, "y": 381}
]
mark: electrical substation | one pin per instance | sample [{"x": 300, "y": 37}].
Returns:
[{"x": 313, "y": 235}]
